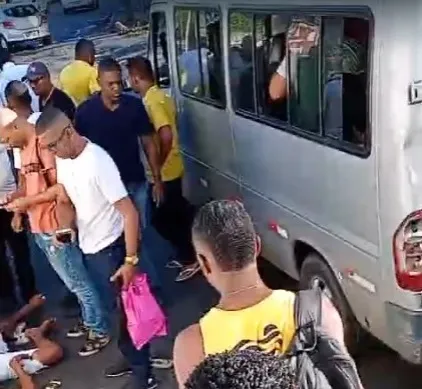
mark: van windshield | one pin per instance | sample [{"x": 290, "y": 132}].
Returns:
[{"x": 20, "y": 11}]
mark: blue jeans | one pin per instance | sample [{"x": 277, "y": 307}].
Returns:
[
  {"x": 101, "y": 266},
  {"x": 138, "y": 192},
  {"x": 67, "y": 261}
]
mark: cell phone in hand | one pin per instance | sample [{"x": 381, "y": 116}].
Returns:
[{"x": 64, "y": 236}]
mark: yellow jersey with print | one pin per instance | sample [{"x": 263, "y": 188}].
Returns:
[
  {"x": 268, "y": 326},
  {"x": 161, "y": 110},
  {"x": 79, "y": 81}
]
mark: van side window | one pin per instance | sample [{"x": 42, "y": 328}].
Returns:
[
  {"x": 303, "y": 42},
  {"x": 160, "y": 58},
  {"x": 344, "y": 80},
  {"x": 199, "y": 54},
  {"x": 307, "y": 74},
  {"x": 241, "y": 61}
]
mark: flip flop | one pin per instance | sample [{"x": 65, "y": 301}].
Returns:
[
  {"x": 161, "y": 363},
  {"x": 188, "y": 272},
  {"x": 53, "y": 384},
  {"x": 174, "y": 265}
]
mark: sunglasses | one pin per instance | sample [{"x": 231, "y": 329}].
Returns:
[{"x": 52, "y": 146}]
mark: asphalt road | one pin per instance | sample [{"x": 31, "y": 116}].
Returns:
[{"x": 380, "y": 368}]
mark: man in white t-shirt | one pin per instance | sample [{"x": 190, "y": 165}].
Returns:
[{"x": 107, "y": 220}]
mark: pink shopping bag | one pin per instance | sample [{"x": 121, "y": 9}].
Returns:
[{"x": 145, "y": 318}]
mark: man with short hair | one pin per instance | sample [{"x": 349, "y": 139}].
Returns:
[
  {"x": 38, "y": 174},
  {"x": 108, "y": 223},
  {"x": 174, "y": 209},
  {"x": 243, "y": 369},
  {"x": 39, "y": 79},
  {"x": 79, "y": 78},
  {"x": 227, "y": 248}
]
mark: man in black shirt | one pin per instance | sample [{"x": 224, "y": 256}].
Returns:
[{"x": 39, "y": 78}]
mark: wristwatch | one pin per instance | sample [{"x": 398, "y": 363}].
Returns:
[{"x": 132, "y": 260}]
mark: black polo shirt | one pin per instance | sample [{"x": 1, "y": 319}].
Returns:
[{"x": 62, "y": 101}]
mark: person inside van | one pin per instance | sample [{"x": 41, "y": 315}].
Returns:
[{"x": 227, "y": 248}]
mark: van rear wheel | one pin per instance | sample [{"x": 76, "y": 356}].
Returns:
[{"x": 315, "y": 273}]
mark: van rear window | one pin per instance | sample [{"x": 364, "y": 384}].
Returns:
[{"x": 20, "y": 11}]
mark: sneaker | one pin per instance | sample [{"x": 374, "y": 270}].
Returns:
[
  {"x": 119, "y": 369},
  {"x": 188, "y": 272},
  {"x": 77, "y": 331},
  {"x": 161, "y": 363},
  {"x": 94, "y": 344},
  {"x": 152, "y": 383}
]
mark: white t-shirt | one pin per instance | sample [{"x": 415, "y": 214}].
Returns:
[
  {"x": 93, "y": 183},
  {"x": 12, "y": 72},
  {"x": 30, "y": 366},
  {"x": 7, "y": 179}
]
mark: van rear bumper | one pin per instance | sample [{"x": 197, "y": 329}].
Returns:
[{"x": 405, "y": 330}]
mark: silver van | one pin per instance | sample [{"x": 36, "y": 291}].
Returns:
[{"x": 311, "y": 115}]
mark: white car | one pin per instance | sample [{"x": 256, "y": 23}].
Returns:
[
  {"x": 71, "y": 5},
  {"x": 23, "y": 23}
]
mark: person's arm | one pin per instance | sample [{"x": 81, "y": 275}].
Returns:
[
  {"x": 110, "y": 184},
  {"x": 188, "y": 353},
  {"x": 93, "y": 82},
  {"x": 162, "y": 124},
  {"x": 25, "y": 380},
  {"x": 331, "y": 320},
  {"x": 153, "y": 156},
  {"x": 278, "y": 84},
  {"x": 54, "y": 193}
]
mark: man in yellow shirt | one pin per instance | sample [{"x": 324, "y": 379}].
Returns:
[
  {"x": 79, "y": 78},
  {"x": 172, "y": 218}
]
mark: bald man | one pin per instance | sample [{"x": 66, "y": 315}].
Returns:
[
  {"x": 46, "y": 219},
  {"x": 107, "y": 220}
]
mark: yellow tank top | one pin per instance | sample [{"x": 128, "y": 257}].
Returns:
[{"x": 268, "y": 326}]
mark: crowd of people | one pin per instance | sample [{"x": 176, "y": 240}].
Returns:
[{"x": 84, "y": 172}]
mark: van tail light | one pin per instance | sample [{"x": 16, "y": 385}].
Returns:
[
  {"x": 407, "y": 250},
  {"x": 8, "y": 24}
]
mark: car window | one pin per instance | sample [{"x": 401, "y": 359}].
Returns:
[{"x": 20, "y": 11}]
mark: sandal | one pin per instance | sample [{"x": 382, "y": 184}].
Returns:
[
  {"x": 174, "y": 264},
  {"x": 53, "y": 384},
  {"x": 188, "y": 272},
  {"x": 161, "y": 363}
]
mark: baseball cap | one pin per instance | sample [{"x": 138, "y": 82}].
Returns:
[{"x": 37, "y": 70}]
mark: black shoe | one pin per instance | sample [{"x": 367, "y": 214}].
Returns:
[
  {"x": 132, "y": 384},
  {"x": 119, "y": 369},
  {"x": 77, "y": 331}
]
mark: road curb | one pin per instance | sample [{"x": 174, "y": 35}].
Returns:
[{"x": 65, "y": 43}]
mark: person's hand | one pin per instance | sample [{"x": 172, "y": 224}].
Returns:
[
  {"x": 36, "y": 301},
  {"x": 8, "y": 198},
  {"x": 20, "y": 204},
  {"x": 158, "y": 192},
  {"x": 16, "y": 362},
  {"x": 16, "y": 223},
  {"x": 125, "y": 273}
]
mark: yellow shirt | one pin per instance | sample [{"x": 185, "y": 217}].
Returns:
[
  {"x": 79, "y": 81},
  {"x": 161, "y": 110},
  {"x": 268, "y": 325}
]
